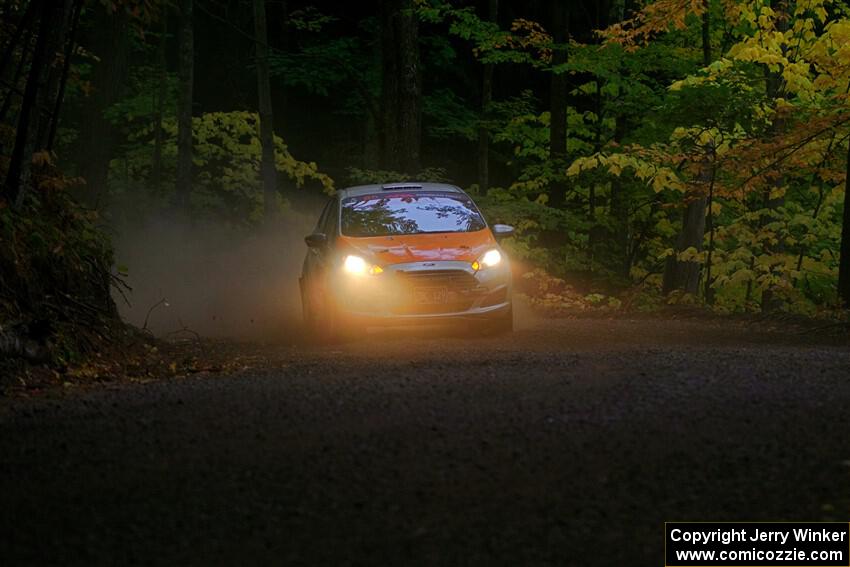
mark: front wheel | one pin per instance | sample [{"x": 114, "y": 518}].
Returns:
[
  {"x": 311, "y": 313},
  {"x": 332, "y": 326}
]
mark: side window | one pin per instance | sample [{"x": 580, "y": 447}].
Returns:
[
  {"x": 331, "y": 224},
  {"x": 323, "y": 217}
]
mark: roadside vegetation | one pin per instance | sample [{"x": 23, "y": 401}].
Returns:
[{"x": 649, "y": 153}]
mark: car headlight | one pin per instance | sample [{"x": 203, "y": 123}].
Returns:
[
  {"x": 357, "y": 266},
  {"x": 490, "y": 259}
]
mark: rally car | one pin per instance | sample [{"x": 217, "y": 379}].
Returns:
[{"x": 404, "y": 253}]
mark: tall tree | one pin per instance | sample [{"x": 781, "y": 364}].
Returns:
[
  {"x": 17, "y": 177},
  {"x": 161, "y": 81},
  {"x": 619, "y": 205},
  {"x": 74, "y": 8},
  {"x": 774, "y": 196},
  {"x": 410, "y": 89},
  {"x": 60, "y": 53},
  {"x": 268, "y": 168},
  {"x": 401, "y": 88},
  {"x": 186, "y": 72},
  {"x": 18, "y": 74},
  {"x": 109, "y": 40},
  {"x": 558, "y": 94},
  {"x": 685, "y": 274},
  {"x": 387, "y": 132},
  {"x": 844, "y": 260},
  {"x": 486, "y": 100},
  {"x": 22, "y": 30},
  {"x": 389, "y": 87}
]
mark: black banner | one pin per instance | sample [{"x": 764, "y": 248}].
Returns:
[{"x": 767, "y": 544}]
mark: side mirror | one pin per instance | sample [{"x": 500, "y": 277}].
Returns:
[
  {"x": 502, "y": 230},
  {"x": 316, "y": 240}
]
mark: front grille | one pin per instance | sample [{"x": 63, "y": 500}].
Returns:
[
  {"x": 453, "y": 280},
  {"x": 461, "y": 289}
]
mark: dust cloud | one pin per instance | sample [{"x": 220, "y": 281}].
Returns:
[
  {"x": 525, "y": 317},
  {"x": 199, "y": 277}
]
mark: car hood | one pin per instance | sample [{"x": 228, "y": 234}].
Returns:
[{"x": 388, "y": 250}]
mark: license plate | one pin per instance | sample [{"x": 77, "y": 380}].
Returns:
[{"x": 429, "y": 295}]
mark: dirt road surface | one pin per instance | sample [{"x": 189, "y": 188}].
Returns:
[{"x": 569, "y": 442}]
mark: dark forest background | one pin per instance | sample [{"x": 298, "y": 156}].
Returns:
[{"x": 648, "y": 152}]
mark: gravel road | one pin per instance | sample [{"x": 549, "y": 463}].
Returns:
[{"x": 569, "y": 442}]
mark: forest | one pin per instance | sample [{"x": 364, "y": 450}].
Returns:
[
  {"x": 649, "y": 153},
  {"x": 424, "y": 282}
]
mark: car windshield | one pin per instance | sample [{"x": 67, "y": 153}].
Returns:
[{"x": 409, "y": 213}]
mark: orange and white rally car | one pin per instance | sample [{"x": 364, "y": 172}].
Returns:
[{"x": 404, "y": 253}]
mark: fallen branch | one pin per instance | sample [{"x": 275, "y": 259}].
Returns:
[
  {"x": 147, "y": 317},
  {"x": 185, "y": 329}
]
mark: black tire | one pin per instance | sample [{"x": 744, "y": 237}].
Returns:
[
  {"x": 332, "y": 327},
  {"x": 309, "y": 313}
]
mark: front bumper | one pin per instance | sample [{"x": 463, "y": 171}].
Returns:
[{"x": 422, "y": 292}]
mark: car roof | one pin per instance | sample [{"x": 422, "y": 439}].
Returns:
[{"x": 401, "y": 187}]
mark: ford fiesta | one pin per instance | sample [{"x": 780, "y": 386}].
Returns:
[{"x": 404, "y": 253}]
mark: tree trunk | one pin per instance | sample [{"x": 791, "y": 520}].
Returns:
[
  {"x": 709, "y": 288},
  {"x": 110, "y": 42},
  {"x": 706, "y": 33},
  {"x": 619, "y": 210},
  {"x": 410, "y": 90},
  {"x": 486, "y": 100},
  {"x": 844, "y": 261},
  {"x": 23, "y": 29},
  {"x": 558, "y": 98},
  {"x": 387, "y": 133},
  {"x": 597, "y": 147},
  {"x": 619, "y": 204},
  {"x": 18, "y": 174},
  {"x": 680, "y": 275},
  {"x": 186, "y": 72},
  {"x": 684, "y": 275},
  {"x": 775, "y": 89},
  {"x": 15, "y": 80},
  {"x": 268, "y": 169},
  {"x": 401, "y": 88},
  {"x": 59, "y": 76},
  {"x": 162, "y": 76}
]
